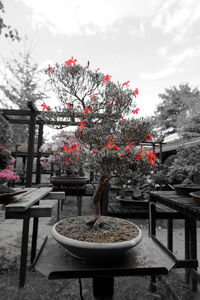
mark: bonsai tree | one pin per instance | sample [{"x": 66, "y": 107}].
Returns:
[
  {"x": 106, "y": 128},
  {"x": 59, "y": 156}
]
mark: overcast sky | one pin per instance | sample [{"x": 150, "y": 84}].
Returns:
[{"x": 153, "y": 43}]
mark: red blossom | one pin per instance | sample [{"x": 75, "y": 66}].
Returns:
[
  {"x": 93, "y": 151},
  {"x": 138, "y": 157},
  {"x": 68, "y": 106},
  {"x": 108, "y": 103},
  {"x": 86, "y": 110},
  {"x": 115, "y": 147},
  {"x": 120, "y": 154},
  {"x": 151, "y": 158},
  {"x": 136, "y": 111},
  {"x": 116, "y": 100},
  {"x": 106, "y": 78},
  {"x": 81, "y": 125},
  {"x": 126, "y": 83},
  {"x": 148, "y": 137},
  {"x": 122, "y": 118},
  {"x": 135, "y": 92},
  {"x": 67, "y": 159},
  {"x": 128, "y": 146},
  {"x": 45, "y": 106},
  {"x": 49, "y": 68},
  {"x": 70, "y": 62}
]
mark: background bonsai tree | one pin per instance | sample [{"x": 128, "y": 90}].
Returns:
[
  {"x": 6, "y": 166},
  {"x": 107, "y": 130}
]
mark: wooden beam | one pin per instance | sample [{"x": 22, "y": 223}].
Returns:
[
  {"x": 15, "y": 112},
  {"x": 34, "y": 211},
  {"x": 31, "y": 139},
  {"x": 28, "y": 200},
  {"x": 38, "y": 166}
]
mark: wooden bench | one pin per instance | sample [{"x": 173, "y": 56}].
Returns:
[{"x": 28, "y": 206}]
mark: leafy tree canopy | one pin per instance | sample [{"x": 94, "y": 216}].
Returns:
[
  {"x": 6, "y": 29},
  {"x": 177, "y": 110}
]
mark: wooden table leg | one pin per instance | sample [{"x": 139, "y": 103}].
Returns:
[
  {"x": 152, "y": 219},
  {"x": 193, "y": 250},
  {"x": 58, "y": 210},
  {"x": 187, "y": 247},
  {"x": 24, "y": 248},
  {"x": 34, "y": 238},
  {"x": 170, "y": 234},
  {"x": 103, "y": 287},
  {"x": 79, "y": 205}
]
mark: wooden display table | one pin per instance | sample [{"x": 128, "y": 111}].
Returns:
[{"x": 26, "y": 206}]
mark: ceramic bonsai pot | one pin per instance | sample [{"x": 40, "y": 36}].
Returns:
[
  {"x": 97, "y": 251},
  {"x": 186, "y": 189},
  {"x": 69, "y": 180}
]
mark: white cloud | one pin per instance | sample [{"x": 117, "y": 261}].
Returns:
[
  {"x": 157, "y": 75},
  {"x": 88, "y": 16},
  {"x": 177, "y": 15},
  {"x": 190, "y": 52},
  {"x": 173, "y": 63},
  {"x": 162, "y": 51}
]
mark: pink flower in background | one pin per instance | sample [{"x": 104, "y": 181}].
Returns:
[{"x": 6, "y": 175}]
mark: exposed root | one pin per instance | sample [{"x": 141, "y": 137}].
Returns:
[{"x": 96, "y": 222}]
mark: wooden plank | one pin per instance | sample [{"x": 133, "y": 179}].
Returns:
[
  {"x": 34, "y": 211},
  {"x": 183, "y": 204},
  {"x": 54, "y": 195},
  {"x": 28, "y": 200}
]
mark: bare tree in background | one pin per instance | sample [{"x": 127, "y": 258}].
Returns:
[{"x": 21, "y": 83}]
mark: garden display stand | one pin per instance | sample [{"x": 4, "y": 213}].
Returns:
[
  {"x": 186, "y": 207},
  {"x": 147, "y": 258}
]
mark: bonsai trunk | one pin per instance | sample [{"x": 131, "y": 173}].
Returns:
[{"x": 97, "y": 196}]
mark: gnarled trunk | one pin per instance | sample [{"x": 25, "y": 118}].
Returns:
[{"x": 97, "y": 195}]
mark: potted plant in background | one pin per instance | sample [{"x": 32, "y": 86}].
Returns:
[
  {"x": 62, "y": 159},
  {"x": 6, "y": 173},
  {"x": 110, "y": 137}
]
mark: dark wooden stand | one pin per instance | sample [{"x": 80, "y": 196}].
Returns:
[
  {"x": 147, "y": 258},
  {"x": 190, "y": 211}
]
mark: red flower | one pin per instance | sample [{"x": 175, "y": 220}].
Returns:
[
  {"x": 93, "y": 151},
  {"x": 67, "y": 160},
  {"x": 45, "y": 106},
  {"x": 65, "y": 147},
  {"x": 125, "y": 83},
  {"x": 115, "y": 147},
  {"x": 136, "y": 111},
  {"x": 69, "y": 106},
  {"x": 116, "y": 100},
  {"x": 138, "y": 157},
  {"x": 49, "y": 68},
  {"x": 147, "y": 137},
  {"x": 151, "y": 158},
  {"x": 81, "y": 125},
  {"x": 108, "y": 103},
  {"x": 106, "y": 78},
  {"x": 120, "y": 154},
  {"x": 70, "y": 62},
  {"x": 136, "y": 92},
  {"x": 86, "y": 111},
  {"x": 122, "y": 118}
]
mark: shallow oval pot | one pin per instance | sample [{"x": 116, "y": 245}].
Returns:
[{"x": 96, "y": 252}]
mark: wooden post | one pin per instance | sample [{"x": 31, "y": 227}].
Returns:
[
  {"x": 29, "y": 169},
  {"x": 40, "y": 140},
  {"x": 161, "y": 158}
]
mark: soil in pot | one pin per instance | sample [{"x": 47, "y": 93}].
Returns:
[{"x": 110, "y": 230}]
